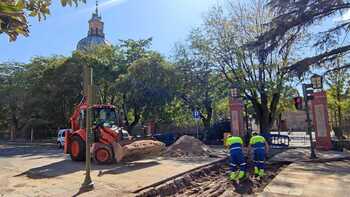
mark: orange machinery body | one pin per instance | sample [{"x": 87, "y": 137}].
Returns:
[{"x": 102, "y": 140}]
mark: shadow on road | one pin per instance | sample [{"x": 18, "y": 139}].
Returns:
[
  {"x": 127, "y": 167},
  {"x": 65, "y": 167},
  {"x": 82, "y": 191},
  {"x": 28, "y": 151},
  {"x": 53, "y": 169}
]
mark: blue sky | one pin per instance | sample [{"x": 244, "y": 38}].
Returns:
[{"x": 167, "y": 21}]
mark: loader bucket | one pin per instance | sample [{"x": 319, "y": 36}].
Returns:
[{"x": 137, "y": 149}]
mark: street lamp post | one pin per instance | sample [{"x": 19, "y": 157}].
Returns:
[
  {"x": 306, "y": 88},
  {"x": 316, "y": 84},
  {"x": 88, "y": 91}
]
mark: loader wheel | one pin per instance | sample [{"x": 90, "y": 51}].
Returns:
[
  {"x": 77, "y": 149},
  {"x": 103, "y": 156}
]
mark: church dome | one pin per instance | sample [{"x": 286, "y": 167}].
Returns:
[
  {"x": 91, "y": 41},
  {"x": 95, "y": 35}
]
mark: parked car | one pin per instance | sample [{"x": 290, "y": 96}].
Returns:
[
  {"x": 125, "y": 135},
  {"x": 60, "y": 137}
]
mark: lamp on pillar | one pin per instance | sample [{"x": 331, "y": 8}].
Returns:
[
  {"x": 308, "y": 96},
  {"x": 235, "y": 91},
  {"x": 317, "y": 82}
]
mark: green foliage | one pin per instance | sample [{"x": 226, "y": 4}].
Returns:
[
  {"x": 337, "y": 95},
  {"x": 107, "y": 63},
  {"x": 146, "y": 87},
  {"x": 199, "y": 87},
  {"x": 40, "y": 95},
  {"x": 13, "y": 14},
  {"x": 221, "y": 41}
]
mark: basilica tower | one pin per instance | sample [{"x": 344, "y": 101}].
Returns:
[{"x": 95, "y": 35}]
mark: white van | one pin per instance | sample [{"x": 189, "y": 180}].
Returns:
[{"x": 60, "y": 137}]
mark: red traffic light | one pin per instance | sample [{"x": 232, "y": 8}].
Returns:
[{"x": 298, "y": 103}]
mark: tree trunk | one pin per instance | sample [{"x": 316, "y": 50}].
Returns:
[
  {"x": 339, "y": 116},
  {"x": 14, "y": 125},
  {"x": 207, "y": 120},
  {"x": 125, "y": 113},
  {"x": 264, "y": 117},
  {"x": 339, "y": 106},
  {"x": 265, "y": 125},
  {"x": 135, "y": 121},
  {"x": 12, "y": 130},
  {"x": 31, "y": 135}
]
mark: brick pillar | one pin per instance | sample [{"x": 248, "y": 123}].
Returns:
[
  {"x": 236, "y": 113},
  {"x": 321, "y": 121}
]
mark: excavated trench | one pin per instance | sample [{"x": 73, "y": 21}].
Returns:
[{"x": 212, "y": 181}]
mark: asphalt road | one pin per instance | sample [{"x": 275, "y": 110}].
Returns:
[{"x": 29, "y": 170}]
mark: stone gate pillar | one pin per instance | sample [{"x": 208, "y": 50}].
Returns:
[
  {"x": 321, "y": 121},
  {"x": 236, "y": 113}
]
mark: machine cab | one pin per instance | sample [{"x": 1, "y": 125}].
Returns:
[{"x": 105, "y": 115}]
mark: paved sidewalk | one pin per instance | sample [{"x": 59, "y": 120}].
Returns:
[
  {"x": 303, "y": 155},
  {"x": 311, "y": 179}
]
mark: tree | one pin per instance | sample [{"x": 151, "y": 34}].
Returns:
[
  {"x": 43, "y": 93},
  {"x": 199, "y": 87},
  {"x": 129, "y": 76},
  {"x": 54, "y": 86},
  {"x": 11, "y": 93},
  {"x": 293, "y": 18},
  {"x": 13, "y": 14},
  {"x": 338, "y": 81},
  {"x": 40, "y": 94},
  {"x": 108, "y": 64},
  {"x": 225, "y": 34},
  {"x": 145, "y": 89}
]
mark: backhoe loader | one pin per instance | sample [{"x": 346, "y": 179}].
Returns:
[{"x": 110, "y": 143}]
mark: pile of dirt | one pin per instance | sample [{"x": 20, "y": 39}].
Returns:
[
  {"x": 142, "y": 148},
  {"x": 187, "y": 146}
]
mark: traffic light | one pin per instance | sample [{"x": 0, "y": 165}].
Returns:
[
  {"x": 308, "y": 91},
  {"x": 298, "y": 103}
]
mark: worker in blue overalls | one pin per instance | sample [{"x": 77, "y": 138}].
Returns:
[
  {"x": 238, "y": 165},
  {"x": 260, "y": 148}
]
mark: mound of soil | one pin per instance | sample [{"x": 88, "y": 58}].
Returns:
[
  {"x": 141, "y": 149},
  {"x": 187, "y": 146}
]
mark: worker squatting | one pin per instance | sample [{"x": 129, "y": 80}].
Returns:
[{"x": 238, "y": 163}]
